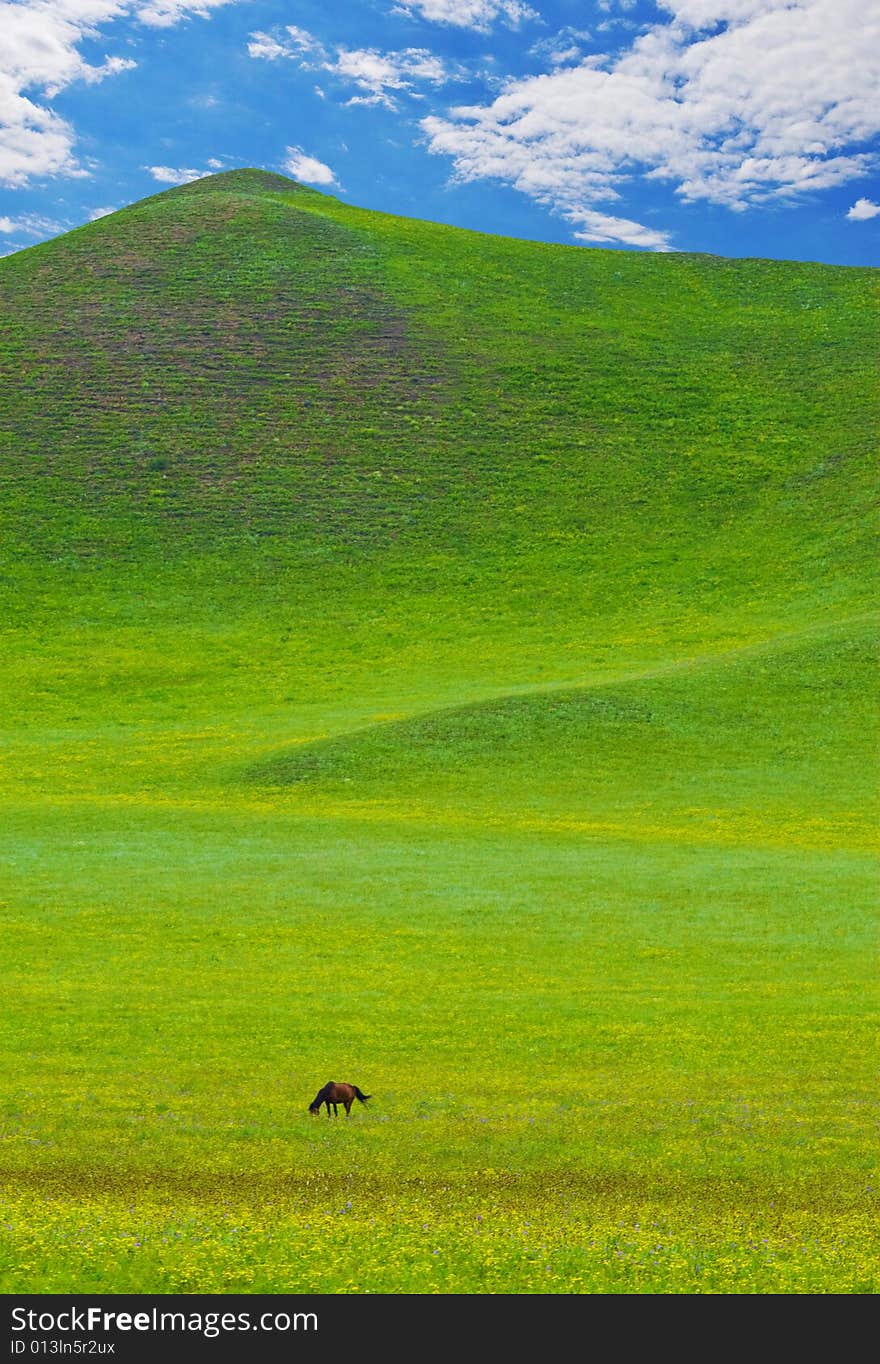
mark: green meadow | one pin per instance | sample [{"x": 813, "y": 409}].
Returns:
[{"x": 448, "y": 664}]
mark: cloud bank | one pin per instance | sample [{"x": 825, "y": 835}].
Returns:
[
  {"x": 734, "y": 102},
  {"x": 40, "y": 56}
]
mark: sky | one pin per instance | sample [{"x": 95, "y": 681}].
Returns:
[{"x": 734, "y": 127}]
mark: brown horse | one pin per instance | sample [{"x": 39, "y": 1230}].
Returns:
[{"x": 334, "y": 1093}]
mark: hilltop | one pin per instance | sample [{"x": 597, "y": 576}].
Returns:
[{"x": 242, "y": 355}]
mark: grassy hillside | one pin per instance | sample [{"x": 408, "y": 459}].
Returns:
[{"x": 446, "y": 663}]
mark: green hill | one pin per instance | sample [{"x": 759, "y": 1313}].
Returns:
[{"x": 431, "y": 658}]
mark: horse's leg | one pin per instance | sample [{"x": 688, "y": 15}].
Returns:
[{"x": 348, "y": 1109}]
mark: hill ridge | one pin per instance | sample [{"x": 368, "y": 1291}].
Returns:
[{"x": 718, "y": 658}]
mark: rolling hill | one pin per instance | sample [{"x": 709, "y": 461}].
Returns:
[{"x": 433, "y": 657}]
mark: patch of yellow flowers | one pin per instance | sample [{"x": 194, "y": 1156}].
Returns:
[{"x": 322, "y": 1244}]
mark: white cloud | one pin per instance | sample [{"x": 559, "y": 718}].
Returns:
[
  {"x": 34, "y": 141},
  {"x": 377, "y": 74},
  {"x": 165, "y": 13},
  {"x": 39, "y": 52},
  {"x": 476, "y": 14},
  {"x": 563, "y": 48},
  {"x": 862, "y": 210},
  {"x": 602, "y": 227},
  {"x": 29, "y": 225},
  {"x": 308, "y": 168},
  {"x": 264, "y": 45},
  {"x": 40, "y": 57},
  {"x": 97, "y": 213},
  {"x": 298, "y": 43},
  {"x": 778, "y": 103},
  {"x": 175, "y": 175}
]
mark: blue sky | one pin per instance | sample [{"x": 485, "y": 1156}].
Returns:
[{"x": 737, "y": 127}]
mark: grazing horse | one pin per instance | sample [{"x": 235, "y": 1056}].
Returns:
[{"x": 334, "y": 1093}]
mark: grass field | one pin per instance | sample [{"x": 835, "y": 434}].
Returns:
[{"x": 448, "y": 664}]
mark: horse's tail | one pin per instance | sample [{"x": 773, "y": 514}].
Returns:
[{"x": 363, "y": 1097}]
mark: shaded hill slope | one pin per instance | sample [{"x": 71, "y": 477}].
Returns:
[{"x": 180, "y": 365}]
